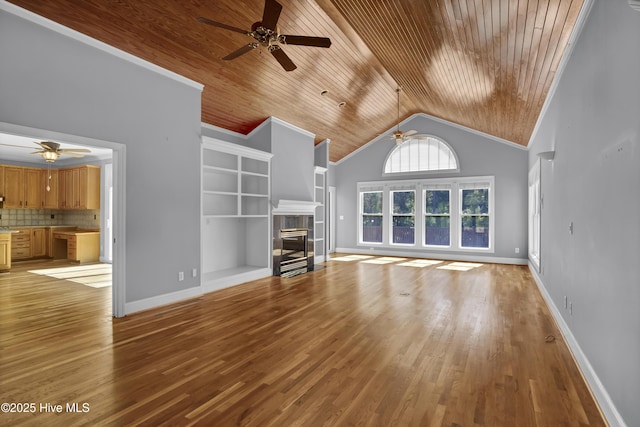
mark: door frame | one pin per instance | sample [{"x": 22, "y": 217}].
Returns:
[
  {"x": 331, "y": 225},
  {"x": 118, "y": 286}
]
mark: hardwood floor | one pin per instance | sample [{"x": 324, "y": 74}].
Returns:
[{"x": 364, "y": 341}]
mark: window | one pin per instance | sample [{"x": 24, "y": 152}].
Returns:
[
  {"x": 404, "y": 217},
  {"x": 535, "y": 206},
  {"x": 443, "y": 214},
  {"x": 371, "y": 213},
  {"x": 437, "y": 218},
  {"x": 474, "y": 215},
  {"x": 419, "y": 155}
]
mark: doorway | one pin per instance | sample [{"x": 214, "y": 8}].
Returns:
[
  {"x": 331, "y": 229},
  {"x": 117, "y": 171}
]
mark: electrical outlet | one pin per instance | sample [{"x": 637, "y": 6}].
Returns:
[
  {"x": 194, "y": 272},
  {"x": 180, "y": 276},
  {"x": 517, "y": 250}
]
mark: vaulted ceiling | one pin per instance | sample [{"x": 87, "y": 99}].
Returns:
[{"x": 484, "y": 64}]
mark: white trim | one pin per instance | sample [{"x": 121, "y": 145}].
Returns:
[
  {"x": 233, "y": 148},
  {"x": 319, "y": 169},
  {"x": 577, "y": 29},
  {"x": 422, "y": 171},
  {"x": 600, "y": 393},
  {"x": 436, "y": 119},
  {"x": 422, "y": 253},
  {"x": 164, "y": 299},
  {"x": 82, "y": 38},
  {"x": 212, "y": 285},
  {"x": 272, "y": 119},
  {"x": 294, "y": 207},
  {"x": 456, "y": 184}
]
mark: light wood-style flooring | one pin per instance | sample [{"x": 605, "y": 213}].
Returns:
[{"x": 370, "y": 341}]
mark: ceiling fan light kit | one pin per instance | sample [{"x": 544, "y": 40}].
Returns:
[{"x": 266, "y": 34}]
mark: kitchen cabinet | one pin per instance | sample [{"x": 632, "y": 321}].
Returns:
[
  {"x": 38, "y": 242},
  {"x": 22, "y": 188},
  {"x": 76, "y": 245},
  {"x": 13, "y": 187},
  {"x": 32, "y": 188},
  {"x": 49, "y": 197},
  {"x": 1, "y": 181},
  {"x": 21, "y": 244},
  {"x": 79, "y": 187},
  {"x": 5, "y": 251}
]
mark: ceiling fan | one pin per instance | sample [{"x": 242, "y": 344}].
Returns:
[
  {"x": 400, "y": 136},
  {"x": 51, "y": 151},
  {"x": 266, "y": 34}
]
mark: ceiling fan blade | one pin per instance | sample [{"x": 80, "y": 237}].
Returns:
[
  {"x": 40, "y": 152},
  {"x": 221, "y": 25},
  {"x": 241, "y": 51},
  {"x": 306, "y": 40},
  {"x": 78, "y": 155},
  {"x": 74, "y": 150},
  {"x": 271, "y": 14},
  {"x": 19, "y": 146},
  {"x": 282, "y": 58},
  {"x": 410, "y": 132},
  {"x": 48, "y": 145}
]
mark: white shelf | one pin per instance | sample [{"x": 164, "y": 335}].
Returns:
[
  {"x": 319, "y": 196},
  {"x": 236, "y": 225}
]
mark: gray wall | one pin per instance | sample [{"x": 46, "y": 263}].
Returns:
[
  {"x": 292, "y": 162},
  {"x": 49, "y": 81},
  {"x": 477, "y": 155},
  {"x": 593, "y": 123}
]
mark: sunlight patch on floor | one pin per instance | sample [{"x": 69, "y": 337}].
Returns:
[
  {"x": 384, "y": 260},
  {"x": 460, "y": 266},
  {"x": 348, "y": 258},
  {"x": 421, "y": 263},
  {"x": 93, "y": 275}
]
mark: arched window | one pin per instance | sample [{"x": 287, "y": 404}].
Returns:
[{"x": 420, "y": 155}]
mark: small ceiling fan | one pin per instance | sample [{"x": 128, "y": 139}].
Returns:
[
  {"x": 266, "y": 34},
  {"x": 51, "y": 151},
  {"x": 400, "y": 136}
]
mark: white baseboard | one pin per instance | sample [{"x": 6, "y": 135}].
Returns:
[
  {"x": 601, "y": 395},
  {"x": 447, "y": 257},
  {"x": 235, "y": 279},
  {"x": 147, "y": 303}
]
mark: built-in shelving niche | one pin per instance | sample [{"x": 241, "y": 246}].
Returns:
[
  {"x": 320, "y": 250},
  {"x": 236, "y": 224}
]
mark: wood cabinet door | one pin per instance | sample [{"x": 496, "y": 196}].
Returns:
[
  {"x": 32, "y": 188},
  {"x": 89, "y": 187},
  {"x": 14, "y": 187},
  {"x": 5, "y": 250},
  {"x": 49, "y": 179},
  {"x": 68, "y": 191},
  {"x": 38, "y": 242}
]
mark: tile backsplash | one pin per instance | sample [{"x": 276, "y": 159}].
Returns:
[{"x": 89, "y": 218}]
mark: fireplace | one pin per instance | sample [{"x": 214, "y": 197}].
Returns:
[{"x": 292, "y": 245}]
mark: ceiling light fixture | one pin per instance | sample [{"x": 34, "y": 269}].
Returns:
[{"x": 49, "y": 156}]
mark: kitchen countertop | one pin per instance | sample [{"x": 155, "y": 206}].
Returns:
[{"x": 64, "y": 228}]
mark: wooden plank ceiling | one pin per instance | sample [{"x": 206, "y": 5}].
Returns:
[{"x": 484, "y": 64}]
